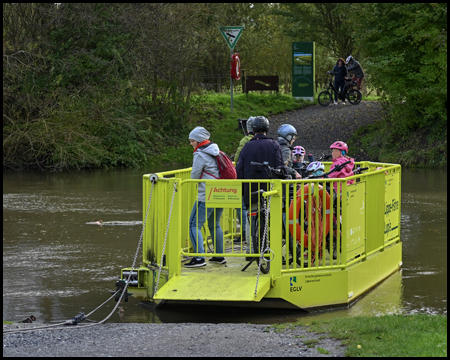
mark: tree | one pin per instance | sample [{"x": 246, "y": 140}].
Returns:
[
  {"x": 325, "y": 23},
  {"x": 405, "y": 47}
]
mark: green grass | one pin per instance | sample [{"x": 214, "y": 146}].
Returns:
[
  {"x": 213, "y": 112},
  {"x": 390, "y": 335},
  {"x": 421, "y": 148},
  {"x": 322, "y": 351},
  {"x": 7, "y": 322}
]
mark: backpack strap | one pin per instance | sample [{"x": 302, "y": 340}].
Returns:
[{"x": 203, "y": 171}]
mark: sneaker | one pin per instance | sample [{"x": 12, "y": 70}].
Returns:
[
  {"x": 343, "y": 103},
  {"x": 195, "y": 263},
  {"x": 335, "y": 103},
  {"x": 238, "y": 240},
  {"x": 217, "y": 260}
]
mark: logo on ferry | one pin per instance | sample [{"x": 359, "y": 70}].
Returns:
[{"x": 293, "y": 279}]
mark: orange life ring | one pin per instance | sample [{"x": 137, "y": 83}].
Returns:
[{"x": 311, "y": 224}]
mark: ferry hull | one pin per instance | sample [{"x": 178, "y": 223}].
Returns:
[{"x": 294, "y": 290}]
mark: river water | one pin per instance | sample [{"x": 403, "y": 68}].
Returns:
[{"x": 56, "y": 262}]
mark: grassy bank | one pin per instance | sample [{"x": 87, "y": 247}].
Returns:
[
  {"x": 213, "y": 111},
  {"x": 387, "y": 336},
  {"x": 421, "y": 147}
]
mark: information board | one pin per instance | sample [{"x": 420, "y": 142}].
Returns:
[
  {"x": 303, "y": 57},
  {"x": 220, "y": 196}
]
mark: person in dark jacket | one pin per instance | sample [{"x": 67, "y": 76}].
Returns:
[
  {"x": 340, "y": 73},
  {"x": 260, "y": 149},
  {"x": 354, "y": 67}
]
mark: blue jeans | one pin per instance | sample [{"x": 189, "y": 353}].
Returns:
[
  {"x": 196, "y": 221},
  {"x": 338, "y": 85},
  {"x": 244, "y": 217}
]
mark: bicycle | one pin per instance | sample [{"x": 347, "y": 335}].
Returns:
[
  {"x": 258, "y": 218},
  {"x": 353, "y": 96}
]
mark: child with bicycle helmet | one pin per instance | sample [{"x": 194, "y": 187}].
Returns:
[
  {"x": 316, "y": 168},
  {"x": 286, "y": 137},
  {"x": 339, "y": 151},
  {"x": 299, "y": 164},
  {"x": 298, "y": 154}
]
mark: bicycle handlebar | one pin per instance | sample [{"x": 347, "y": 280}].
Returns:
[
  {"x": 325, "y": 157},
  {"x": 277, "y": 172},
  {"x": 358, "y": 170},
  {"x": 336, "y": 168}
]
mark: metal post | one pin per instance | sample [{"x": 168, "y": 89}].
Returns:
[{"x": 231, "y": 81}]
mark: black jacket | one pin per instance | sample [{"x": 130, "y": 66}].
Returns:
[
  {"x": 260, "y": 149},
  {"x": 340, "y": 73}
]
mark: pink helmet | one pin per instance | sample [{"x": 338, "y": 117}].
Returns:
[
  {"x": 298, "y": 150},
  {"x": 340, "y": 145}
]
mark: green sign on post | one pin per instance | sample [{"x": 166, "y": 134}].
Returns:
[{"x": 303, "y": 70}]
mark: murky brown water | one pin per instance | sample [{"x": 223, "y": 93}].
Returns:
[{"x": 55, "y": 264}]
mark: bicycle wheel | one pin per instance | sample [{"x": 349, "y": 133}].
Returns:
[
  {"x": 324, "y": 98},
  {"x": 354, "y": 96},
  {"x": 265, "y": 266}
]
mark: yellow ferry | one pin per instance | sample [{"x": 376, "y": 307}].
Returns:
[{"x": 320, "y": 248}]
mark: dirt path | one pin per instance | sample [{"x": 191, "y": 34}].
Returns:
[{"x": 319, "y": 126}]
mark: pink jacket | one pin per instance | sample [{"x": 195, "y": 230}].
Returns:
[{"x": 345, "y": 172}]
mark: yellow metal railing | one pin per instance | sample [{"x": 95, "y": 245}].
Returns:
[{"x": 303, "y": 231}]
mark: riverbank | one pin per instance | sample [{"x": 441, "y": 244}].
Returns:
[
  {"x": 386, "y": 336},
  {"x": 365, "y": 127}
]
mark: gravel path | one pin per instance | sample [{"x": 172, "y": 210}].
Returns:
[
  {"x": 154, "y": 340},
  {"x": 319, "y": 126}
]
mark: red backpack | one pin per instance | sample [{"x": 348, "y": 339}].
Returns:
[{"x": 225, "y": 165}]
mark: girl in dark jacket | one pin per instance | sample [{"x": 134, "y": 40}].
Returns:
[{"x": 340, "y": 73}]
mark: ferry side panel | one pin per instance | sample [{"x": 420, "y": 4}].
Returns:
[{"x": 312, "y": 289}]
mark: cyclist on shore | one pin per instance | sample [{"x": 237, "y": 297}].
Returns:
[
  {"x": 204, "y": 166},
  {"x": 354, "y": 67},
  {"x": 339, "y": 150},
  {"x": 286, "y": 137},
  {"x": 340, "y": 73}
]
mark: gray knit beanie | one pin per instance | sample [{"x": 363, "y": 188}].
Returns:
[{"x": 199, "y": 134}]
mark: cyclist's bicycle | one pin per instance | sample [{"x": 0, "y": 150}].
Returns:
[
  {"x": 354, "y": 96},
  {"x": 258, "y": 220}
]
